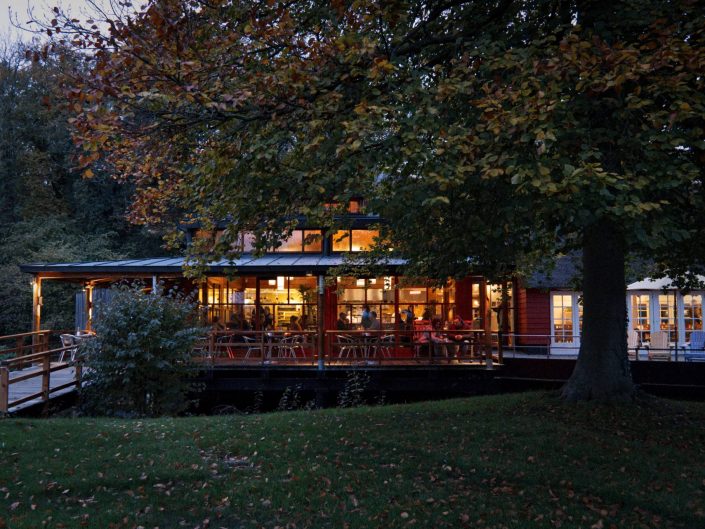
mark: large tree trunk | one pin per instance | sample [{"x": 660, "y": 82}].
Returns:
[{"x": 602, "y": 370}]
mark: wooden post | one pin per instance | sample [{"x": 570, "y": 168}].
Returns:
[
  {"x": 321, "y": 321},
  {"x": 78, "y": 372},
  {"x": 36, "y": 313},
  {"x": 4, "y": 389},
  {"x": 36, "y": 303},
  {"x": 46, "y": 372}
]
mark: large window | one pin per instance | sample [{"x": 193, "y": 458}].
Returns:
[
  {"x": 640, "y": 313},
  {"x": 284, "y": 297},
  {"x": 308, "y": 241},
  {"x": 302, "y": 241},
  {"x": 429, "y": 302},
  {"x": 566, "y": 317},
  {"x": 376, "y": 292},
  {"x": 667, "y": 315},
  {"x": 354, "y": 240},
  {"x": 692, "y": 314}
]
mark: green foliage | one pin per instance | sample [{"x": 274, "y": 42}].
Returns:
[
  {"x": 355, "y": 390},
  {"x": 508, "y": 128},
  {"x": 48, "y": 213},
  {"x": 44, "y": 239},
  {"x": 291, "y": 400},
  {"x": 140, "y": 361}
]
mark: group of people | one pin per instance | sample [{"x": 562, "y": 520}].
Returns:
[
  {"x": 238, "y": 322},
  {"x": 368, "y": 320}
]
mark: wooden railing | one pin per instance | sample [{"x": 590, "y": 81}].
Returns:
[
  {"x": 392, "y": 347},
  {"x": 22, "y": 344},
  {"x": 41, "y": 367}
]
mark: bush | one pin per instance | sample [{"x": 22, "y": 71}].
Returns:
[
  {"x": 353, "y": 393},
  {"x": 139, "y": 364}
]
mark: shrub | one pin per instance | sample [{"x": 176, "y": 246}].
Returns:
[
  {"x": 353, "y": 393},
  {"x": 139, "y": 364}
]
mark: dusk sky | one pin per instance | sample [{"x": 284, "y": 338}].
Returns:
[{"x": 42, "y": 10}]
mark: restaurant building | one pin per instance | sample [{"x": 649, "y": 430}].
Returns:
[{"x": 541, "y": 314}]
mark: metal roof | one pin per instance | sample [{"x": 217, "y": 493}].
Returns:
[{"x": 247, "y": 263}]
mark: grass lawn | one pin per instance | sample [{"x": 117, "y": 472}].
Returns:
[{"x": 503, "y": 461}]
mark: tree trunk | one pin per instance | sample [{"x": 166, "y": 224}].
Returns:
[{"x": 602, "y": 370}]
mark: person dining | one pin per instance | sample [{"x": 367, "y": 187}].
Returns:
[
  {"x": 374, "y": 322},
  {"x": 442, "y": 345},
  {"x": 216, "y": 325},
  {"x": 294, "y": 324},
  {"x": 342, "y": 324}
]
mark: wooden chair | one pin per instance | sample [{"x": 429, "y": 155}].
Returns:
[
  {"x": 633, "y": 344},
  {"x": 659, "y": 347},
  {"x": 695, "y": 350}
]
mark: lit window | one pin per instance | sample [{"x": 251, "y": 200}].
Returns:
[
  {"x": 692, "y": 314},
  {"x": 567, "y": 312},
  {"x": 354, "y": 240},
  {"x": 640, "y": 316}
]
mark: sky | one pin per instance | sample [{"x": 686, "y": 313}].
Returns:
[{"x": 42, "y": 9}]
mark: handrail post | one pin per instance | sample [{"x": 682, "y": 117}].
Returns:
[
  {"x": 78, "y": 372},
  {"x": 4, "y": 389},
  {"x": 46, "y": 373}
]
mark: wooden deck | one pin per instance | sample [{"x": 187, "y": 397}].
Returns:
[{"x": 32, "y": 385}]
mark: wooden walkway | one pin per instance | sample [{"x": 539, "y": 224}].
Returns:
[{"x": 32, "y": 386}]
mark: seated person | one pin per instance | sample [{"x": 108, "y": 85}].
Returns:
[
  {"x": 442, "y": 344},
  {"x": 342, "y": 324},
  {"x": 374, "y": 322},
  {"x": 294, "y": 324},
  {"x": 235, "y": 323},
  {"x": 216, "y": 325}
]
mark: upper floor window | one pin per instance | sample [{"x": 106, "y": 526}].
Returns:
[
  {"x": 309, "y": 241},
  {"x": 354, "y": 240},
  {"x": 302, "y": 241}
]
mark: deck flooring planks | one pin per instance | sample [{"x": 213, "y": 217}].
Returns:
[{"x": 34, "y": 385}]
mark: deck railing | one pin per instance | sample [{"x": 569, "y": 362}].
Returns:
[
  {"x": 349, "y": 347},
  {"x": 14, "y": 371},
  {"x": 23, "y": 344}
]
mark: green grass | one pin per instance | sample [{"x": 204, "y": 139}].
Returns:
[{"x": 504, "y": 461}]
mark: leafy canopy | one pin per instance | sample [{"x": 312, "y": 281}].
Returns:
[{"x": 487, "y": 133}]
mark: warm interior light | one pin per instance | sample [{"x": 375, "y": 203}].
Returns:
[
  {"x": 373, "y": 281},
  {"x": 280, "y": 282},
  {"x": 414, "y": 292},
  {"x": 272, "y": 282},
  {"x": 360, "y": 282}
]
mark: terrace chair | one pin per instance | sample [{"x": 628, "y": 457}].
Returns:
[
  {"x": 633, "y": 344},
  {"x": 386, "y": 343},
  {"x": 68, "y": 340},
  {"x": 421, "y": 336},
  {"x": 289, "y": 345},
  {"x": 347, "y": 345},
  {"x": 251, "y": 348},
  {"x": 695, "y": 350},
  {"x": 226, "y": 343},
  {"x": 660, "y": 347}
]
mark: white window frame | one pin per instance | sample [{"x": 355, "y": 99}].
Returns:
[{"x": 574, "y": 345}]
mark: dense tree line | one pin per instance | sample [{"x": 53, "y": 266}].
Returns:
[{"x": 48, "y": 212}]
